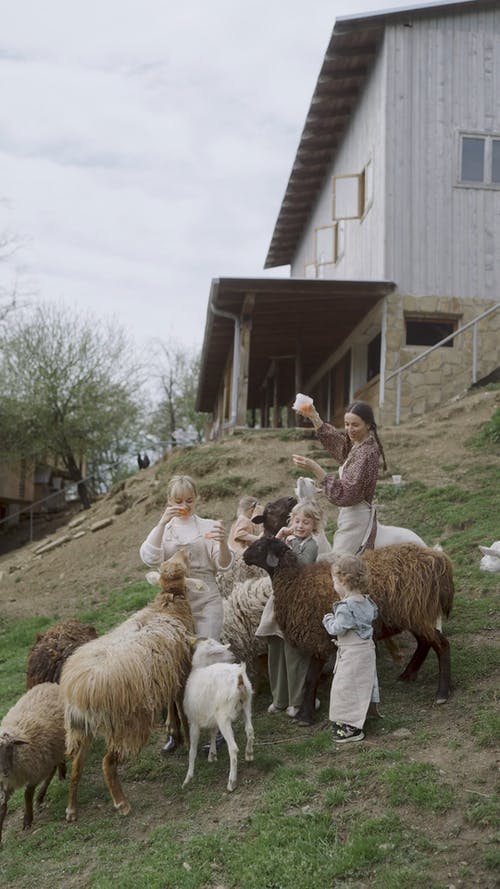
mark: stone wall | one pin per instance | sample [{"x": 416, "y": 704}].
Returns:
[{"x": 446, "y": 372}]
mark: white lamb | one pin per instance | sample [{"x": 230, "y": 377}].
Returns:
[
  {"x": 217, "y": 691},
  {"x": 491, "y": 557}
]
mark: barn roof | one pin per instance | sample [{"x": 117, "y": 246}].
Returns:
[
  {"x": 290, "y": 316},
  {"x": 346, "y": 67}
]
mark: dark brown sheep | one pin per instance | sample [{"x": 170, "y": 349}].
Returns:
[
  {"x": 412, "y": 586},
  {"x": 52, "y": 648}
]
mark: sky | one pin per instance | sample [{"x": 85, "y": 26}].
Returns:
[{"x": 145, "y": 148}]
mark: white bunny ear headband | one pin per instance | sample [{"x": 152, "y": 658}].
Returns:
[{"x": 490, "y": 551}]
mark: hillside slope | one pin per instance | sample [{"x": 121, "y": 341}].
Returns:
[{"x": 79, "y": 572}]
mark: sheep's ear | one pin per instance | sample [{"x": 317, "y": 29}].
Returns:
[
  {"x": 18, "y": 741},
  {"x": 272, "y": 560},
  {"x": 258, "y": 520},
  {"x": 488, "y": 551},
  {"x": 153, "y": 577}
]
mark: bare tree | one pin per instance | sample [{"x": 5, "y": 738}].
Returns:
[
  {"x": 68, "y": 390},
  {"x": 177, "y": 376}
]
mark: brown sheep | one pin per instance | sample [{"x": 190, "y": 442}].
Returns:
[
  {"x": 52, "y": 648},
  {"x": 116, "y": 685},
  {"x": 412, "y": 586},
  {"x": 31, "y": 747}
]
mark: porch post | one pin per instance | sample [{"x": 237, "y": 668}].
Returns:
[{"x": 243, "y": 366}]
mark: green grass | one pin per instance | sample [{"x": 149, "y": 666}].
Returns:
[{"x": 395, "y": 812}]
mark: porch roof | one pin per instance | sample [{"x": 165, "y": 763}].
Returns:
[{"x": 309, "y": 317}]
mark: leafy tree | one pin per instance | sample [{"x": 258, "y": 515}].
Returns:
[
  {"x": 177, "y": 375},
  {"x": 68, "y": 390}
]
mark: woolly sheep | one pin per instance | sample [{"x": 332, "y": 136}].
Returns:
[
  {"x": 412, "y": 586},
  {"x": 116, "y": 685},
  {"x": 52, "y": 648},
  {"x": 491, "y": 557},
  {"x": 217, "y": 691},
  {"x": 31, "y": 747},
  {"x": 242, "y": 613}
]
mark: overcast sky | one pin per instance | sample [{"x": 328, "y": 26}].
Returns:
[{"x": 145, "y": 148}]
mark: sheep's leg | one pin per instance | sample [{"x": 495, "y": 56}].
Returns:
[
  {"x": 110, "y": 771},
  {"x": 227, "y": 730},
  {"x": 43, "y": 789},
  {"x": 184, "y": 722},
  {"x": 247, "y": 712},
  {"x": 441, "y": 646},
  {"x": 28, "y": 805},
  {"x": 76, "y": 774},
  {"x": 212, "y": 751},
  {"x": 410, "y": 673},
  {"x": 4, "y": 799},
  {"x": 306, "y": 713},
  {"x": 194, "y": 737}
]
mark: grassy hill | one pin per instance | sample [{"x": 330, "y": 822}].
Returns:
[{"x": 414, "y": 805}]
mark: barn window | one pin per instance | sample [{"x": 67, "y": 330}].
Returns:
[
  {"x": 428, "y": 330},
  {"x": 479, "y": 160},
  {"x": 348, "y": 196}
]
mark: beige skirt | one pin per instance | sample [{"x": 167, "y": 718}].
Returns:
[
  {"x": 354, "y": 678},
  {"x": 354, "y": 528},
  {"x": 206, "y": 605}
]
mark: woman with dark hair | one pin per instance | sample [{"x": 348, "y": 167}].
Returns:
[{"x": 358, "y": 449}]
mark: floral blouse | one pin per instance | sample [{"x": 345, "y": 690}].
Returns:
[{"x": 359, "y": 471}]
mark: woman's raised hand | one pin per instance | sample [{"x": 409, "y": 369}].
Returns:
[
  {"x": 217, "y": 532},
  {"x": 170, "y": 513},
  {"x": 307, "y": 463}
]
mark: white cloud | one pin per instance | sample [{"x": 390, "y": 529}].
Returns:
[{"x": 145, "y": 148}]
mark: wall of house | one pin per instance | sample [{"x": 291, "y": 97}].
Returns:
[
  {"x": 443, "y": 77},
  {"x": 364, "y": 140},
  {"x": 445, "y": 373}
]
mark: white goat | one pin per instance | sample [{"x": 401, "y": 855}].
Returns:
[
  {"x": 217, "y": 691},
  {"x": 491, "y": 557}
]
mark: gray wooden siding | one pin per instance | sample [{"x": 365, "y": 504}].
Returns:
[
  {"x": 443, "y": 78},
  {"x": 364, "y": 240}
]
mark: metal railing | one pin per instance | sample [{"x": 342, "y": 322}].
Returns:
[{"x": 398, "y": 373}]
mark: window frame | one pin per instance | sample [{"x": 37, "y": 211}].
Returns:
[
  {"x": 487, "y": 182},
  {"x": 431, "y": 318}
]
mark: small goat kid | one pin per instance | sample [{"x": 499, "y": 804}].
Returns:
[{"x": 217, "y": 691}]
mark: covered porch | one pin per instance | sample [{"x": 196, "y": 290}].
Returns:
[{"x": 268, "y": 338}]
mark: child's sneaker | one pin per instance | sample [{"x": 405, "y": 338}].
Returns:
[
  {"x": 342, "y": 733},
  {"x": 292, "y": 711}
]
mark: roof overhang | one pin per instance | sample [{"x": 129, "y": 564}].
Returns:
[
  {"x": 290, "y": 317},
  {"x": 346, "y": 66}
]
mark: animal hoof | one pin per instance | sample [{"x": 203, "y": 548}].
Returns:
[
  {"x": 231, "y": 785},
  {"x": 441, "y": 700},
  {"x": 303, "y": 720},
  {"x": 123, "y": 808},
  {"x": 169, "y": 746},
  {"x": 212, "y": 757},
  {"x": 248, "y": 757},
  {"x": 70, "y": 815}
]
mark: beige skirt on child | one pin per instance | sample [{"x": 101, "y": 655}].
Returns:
[{"x": 354, "y": 677}]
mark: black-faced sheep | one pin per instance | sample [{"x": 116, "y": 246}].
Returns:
[
  {"x": 274, "y": 515},
  {"x": 52, "y": 648},
  {"x": 217, "y": 692},
  {"x": 116, "y": 685},
  {"x": 412, "y": 586},
  {"x": 31, "y": 747}
]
